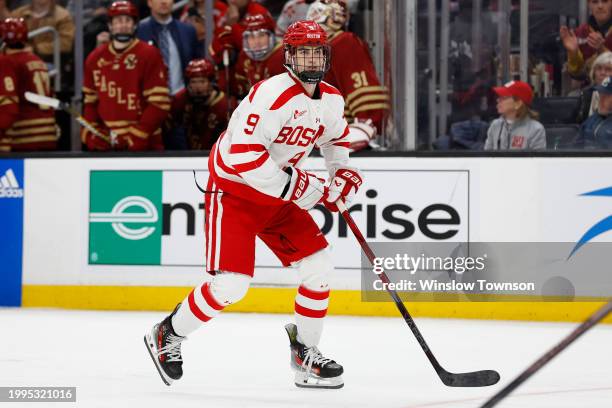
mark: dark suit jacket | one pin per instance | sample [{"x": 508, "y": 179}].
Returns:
[{"x": 184, "y": 37}]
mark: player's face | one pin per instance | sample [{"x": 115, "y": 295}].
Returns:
[
  {"x": 258, "y": 40},
  {"x": 310, "y": 58},
  {"x": 122, "y": 25},
  {"x": 200, "y": 87}
]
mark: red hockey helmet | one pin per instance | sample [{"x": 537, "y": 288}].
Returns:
[
  {"x": 303, "y": 34},
  {"x": 14, "y": 31},
  {"x": 200, "y": 68},
  {"x": 123, "y": 8},
  {"x": 254, "y": 43}
]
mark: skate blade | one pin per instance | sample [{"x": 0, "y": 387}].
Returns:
[
  {"x": 150, "y": 347},
  {"x": 304, "y": 380}
]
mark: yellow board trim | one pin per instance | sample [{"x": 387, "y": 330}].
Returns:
[{"x": 280, "y": 300}]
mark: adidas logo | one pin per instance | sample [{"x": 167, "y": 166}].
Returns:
[{"x": 9, "y": 187}]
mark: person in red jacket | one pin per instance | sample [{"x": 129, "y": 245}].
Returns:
[
  {"x": 353, "y": 73},
  {"x": 125, "y": 88},
  {"x": 23, "y": 125},
  {"x": 588, "y": 40},
  {"x": 199, "y": 112},
  {"x": 261, "y": 56}
]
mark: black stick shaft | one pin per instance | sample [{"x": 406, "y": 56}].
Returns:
[
  {"x": 383, "y": 277},
  {"x": 595, "y": 318}
]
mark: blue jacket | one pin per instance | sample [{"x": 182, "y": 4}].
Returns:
[
  {"x": 184, "y": 37},
  {"x": 595, "y": 133}
]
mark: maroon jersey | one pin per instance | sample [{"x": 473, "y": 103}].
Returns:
[
  {"x": 9, "y": 101},
  {"x": 203, "y": 121},
  {"x": 352, "y": 72},
  {"x": 29, "y": 127},
  {"x": 127, "y": 92},
  {"x": 248, "y": 72}
]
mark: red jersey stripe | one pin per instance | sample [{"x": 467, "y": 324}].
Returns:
[
  {"x": 312, "y": 294},
  {"x": 195, "y": 309},
  {"x": 286, "y": 96},
  {"x": 326, "y": 88},
  {"x": 255, "y": 87},
  {"x": 342, "y": 144},
  {"x": 244, "y": 148},
  {"x": 243, "y": 167},
  {"x": 304, "y": 311}
]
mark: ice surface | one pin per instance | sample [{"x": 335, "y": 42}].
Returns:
[{"x": 242, "y": 360}]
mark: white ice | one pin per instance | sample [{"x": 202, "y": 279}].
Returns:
[{"x": 242, "y": 360}]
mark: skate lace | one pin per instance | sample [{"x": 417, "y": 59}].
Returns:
[
  {"x": 312, "y": 357},
  {"x": 172, "y": 348}
]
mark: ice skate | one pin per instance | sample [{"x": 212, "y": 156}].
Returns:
[
  {"x": 164, "y": 347},
  {"x": 312, "y": 370}
]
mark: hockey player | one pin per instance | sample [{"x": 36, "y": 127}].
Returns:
[
  {"x": 231, "y": 26},
  {"x": 261, "y": 56},
  {"x": 352, "y": 72},
  {"x": 260, "y": 191},
  {"x": 26, "y": 127},
  {"x": 199, "y": 112},
  {"x": 125, "y": 88}
]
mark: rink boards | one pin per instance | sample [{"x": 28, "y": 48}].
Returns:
[{"x": 127, "y": 233}]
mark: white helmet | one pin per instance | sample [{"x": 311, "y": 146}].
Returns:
[{"x": 332, "y": 15}]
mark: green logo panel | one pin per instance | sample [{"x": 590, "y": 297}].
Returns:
[{"x": 125, "y": 217}]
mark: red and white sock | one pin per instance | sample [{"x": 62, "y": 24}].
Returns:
[
  {"x": 197, "y": 308},
  {"x": 310, "y": 310}
]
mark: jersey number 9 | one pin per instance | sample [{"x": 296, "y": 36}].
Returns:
[{"x": 251, "y": 122}]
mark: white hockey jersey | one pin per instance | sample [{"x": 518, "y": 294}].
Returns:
[{"x": 277, "y": 126}]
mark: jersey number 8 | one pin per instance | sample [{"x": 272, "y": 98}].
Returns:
[{"x": 251, "y": 122}]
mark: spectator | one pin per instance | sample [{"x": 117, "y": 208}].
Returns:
[
  {"x": 29, "y": 127},
  {"x": 596, "y": 131},
  {"x": 199, "y": 112},
  {"x": 41, "y": 13},
  {"x": 352, "y": 72},
  {"x": 177, "y": 41},
  {"x": 517, "y": 128},
  {"x": 589, "y": 40},
  {"x": 125, "y": 88},
  {"x": 589, "y": 98},
  {"x": 261, "y": 56}
]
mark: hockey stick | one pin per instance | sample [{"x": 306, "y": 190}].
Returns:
[
  {"x": 473, "y": 379},
  {"x": 59, "y": 105},
  {"x": 227, "y": 81},
  {"x": 595, "y": 318}
]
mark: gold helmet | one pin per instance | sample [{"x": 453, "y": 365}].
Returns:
[{"x": 332, "y": 15}]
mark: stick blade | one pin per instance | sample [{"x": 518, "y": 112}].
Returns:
[
  {"x": 42, "y": 100},
  {"x": 482, "y": 378}
]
